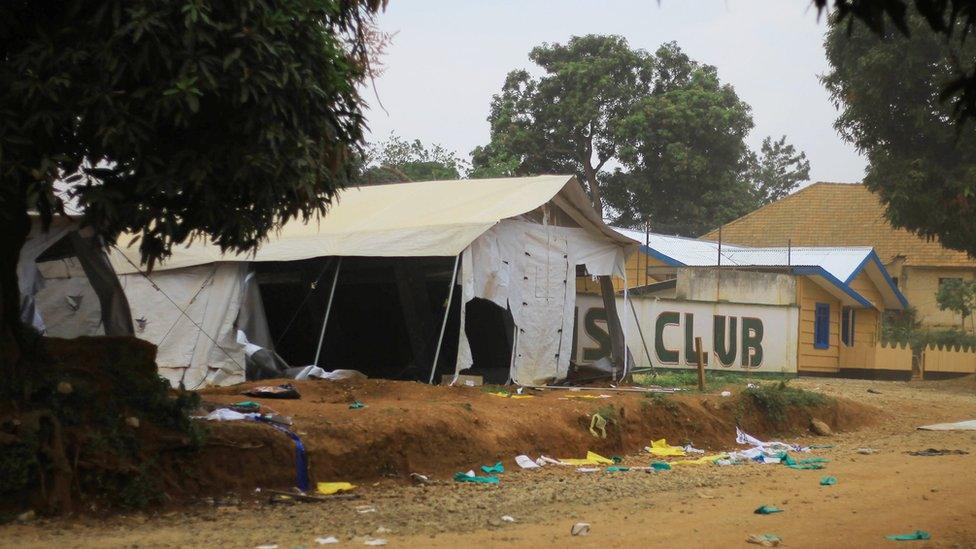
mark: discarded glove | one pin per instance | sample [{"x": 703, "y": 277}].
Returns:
[
  {"x": 496, "y": 468},
  {"x": 598, "y": 423},
  {"x": 767, "y": 510},
  {"x": 916, "y": 535},
  {"x": 828, "y": 481}
]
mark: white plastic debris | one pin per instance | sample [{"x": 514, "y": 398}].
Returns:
[
  {"x": 327, "y": 541},
  {"x": 269, "y": 546},
  {"x": 689, "y": 449},
  {"x": 374, "y": 541},
  {"x": 580, "y": 529},
  {"x": 508, "y": 518},
  {"x": 362, "y": 509},
  {"x": 587, "y": 469},
  {"x": 726, "y": 393},
  {"x": 526, "y": 462}
]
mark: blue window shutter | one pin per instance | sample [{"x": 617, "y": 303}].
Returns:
[{"x": 821, "y": 326}]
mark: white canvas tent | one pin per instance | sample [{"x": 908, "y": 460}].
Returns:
[{"x": 516, "y": 242}]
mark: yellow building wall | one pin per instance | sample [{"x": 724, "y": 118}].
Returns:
[
  {"x": 920, "y": 284},
  {"x": 810, "y": 358}
]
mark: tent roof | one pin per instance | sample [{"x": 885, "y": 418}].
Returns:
[{"x": 430, "y": 218}]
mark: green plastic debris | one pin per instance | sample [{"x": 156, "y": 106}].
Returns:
[
  {"x": 660, "y": 466},
  {"x": 803, "y": 464},
  {"x": 356, "y": 405},
  {"x": 828, "y": 481},
  {"x": 767, "y": 510},
  {"x": 247, "y": 405},
  {"x": 464, "y": 477},
  {"x": 916, "y": 535},
  {"x": 496, "y": 468},
  {"x": 821, "y": 446},
  {"x": 616, "y": 468},
  {"x": 616, "y": 459}
]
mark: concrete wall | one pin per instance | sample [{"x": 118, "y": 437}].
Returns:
[
  {"x": 702, "y": 284},
  {"x": 920, "y": 284}
]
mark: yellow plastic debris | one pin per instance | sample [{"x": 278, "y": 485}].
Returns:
[
  {"x": 598, "y": 423},
  {"x": 660, "y": 448},
  {"x": 706, "y": 460},
  {"x": 592, "y": 458},
  {"x": 503, "y": 395},
  {"x": 329, "y": 488}
]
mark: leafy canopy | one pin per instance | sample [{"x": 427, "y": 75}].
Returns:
[
  {"x": 921, "y": 163},
  {"x": 671, "y": 131},
  {"x": 169, "y": 118},
  {"x": 958, "y": 296},
  {"x": 397, "y": 160}
]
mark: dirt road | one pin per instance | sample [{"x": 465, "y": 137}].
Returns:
[{"x": 887, "y": 492}]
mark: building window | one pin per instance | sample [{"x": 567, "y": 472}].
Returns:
[
  {"x": 821, "y": 326},
  {"x": 847, "y": 326}
]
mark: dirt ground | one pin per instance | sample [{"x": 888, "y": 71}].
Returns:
[{"x": 887, "y": 492}]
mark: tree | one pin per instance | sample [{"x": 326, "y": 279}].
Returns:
[
  {"x": 777, "y": 170},
  {"x": 172, "y": 119},
  {"x": 921, "y": 163},
  {"x": 397, "y": 160},
  {"x": 958, "y": 296}
]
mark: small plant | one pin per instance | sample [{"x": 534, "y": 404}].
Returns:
[
  {"x": 608, "y": 413},
  {"x": 777, "y": 399}
]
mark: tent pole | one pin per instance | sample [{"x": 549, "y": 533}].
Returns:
[
  {"x": 447, "y": 310},
  {"x": 626, "y": 325},
  {"x": 647, "y": 353},
  {"x": 328, "y": 309}
]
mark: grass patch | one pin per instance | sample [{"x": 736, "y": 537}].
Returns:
[
  {"x": 662, "y": 400},
  {"x": 777, "y": 399},
  {"x": 689, "y": 379}
]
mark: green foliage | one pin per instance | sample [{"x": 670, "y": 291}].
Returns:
[
  {"x": 397, "y": 160},
  {"x": 777, "y": 400},
  {"x": 609, "y": 413},
  {"x": 689, "y": 378},
  {"x": 958, "y": 296},
  {"x": 921, "y": 163},
  {"x": 674, "y": 131},
  {"x": 168, "y": 118},
  {"x": 18, "y": 467}
]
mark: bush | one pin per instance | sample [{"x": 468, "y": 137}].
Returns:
[{"x": 777, "y": 399}]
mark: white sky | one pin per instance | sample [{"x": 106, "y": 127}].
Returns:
[{"x": 449, "y": 57}]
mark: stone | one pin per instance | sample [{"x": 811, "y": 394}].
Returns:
[
  {"x": 65, "y": 388},
  {"x": 820, "y": 428}
]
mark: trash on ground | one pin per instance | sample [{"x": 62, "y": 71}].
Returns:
[
  {"x": 587, "y": 469},
  {"x": 356, "y": 405},
  {"x": 767, "y": 510},
  {"x": 705, "y": 460},
  {"x": 661, "y": 448},
  {"x": 969, "y": 425},
  {"x": 867, "y": 451},
  {"x": 245, "y": 406},
  {"x": 329, "y": 488},
  {"x": 742, "y": 437},
  {"x": 585, "y": 397},
  {"x": 726, "y": 393},
  {"x": 580, "y": 529},
  {"x": 874, "y": 391},
  {"x": 766, "y": 540},
  {"x": 598, "y": 423},
  {"x": 937, "y": 452},
  {"x": 692, "y": 450},
  {"x": 419, "y": 479},
  {"x": 226, "y": 414},
  {"x": 916, "y": 535},
  {"x": 660, "y": 466},
  {"x": 508, "y": 518},
  {"x": 526, "y": 462},
  {"x": 268, "y": 546},
  {"x": 616, "y": 469},
  {"x": 505, "y": 394},
  {"x": 820, "y": 446},
  {"x": 496, "y": 468},
  {"x": 828, "y": 481},
  {"x": 363, "y": 509},
  {"x": 374, "y": 541},
  {"x": 592, "y": 458},
  {"x": 285, "y": 390},
  {"x": 813, "y": 463},
  {"x": 327, "y": 540},
  {"x": 471, "y": 477}
]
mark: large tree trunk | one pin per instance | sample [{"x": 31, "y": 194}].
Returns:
[{"x": 14, "y": 228}]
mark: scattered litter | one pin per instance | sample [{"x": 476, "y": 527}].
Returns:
[
  {"x": 586, "y": 397},
  {"x": 751, "y": 386},
  {"x": 301, "y": 462},
  {"x": 726, "y": 393},
  {"x": 504, "y": 394},
  {"x": 546, "y": 459},
  {"x": 246, "y": 406},
  {"x": 766, "y": 540},
  {"x": 705, "y": 460},
  {"x": 383, "y": 530},
  {"x": 374, "y": 541},
  {"x": 419, "y": 479},
  {"x": 327, "y": 541},
  {"x": 660, "y": 466},
  {"x": 692, "y": 450},
  {"x": 916, "y": 535},
  {"x": 285, "y": 390},
  {"x": 508, "y": 518},
  {"x": 580, "y": 529},
  {"x": 969, "y": 425},
  {"x": 526, "y": 462},
  {"x": 270, "y": 546},
  {"x": 804, "y": 464},
  {"x": 356, "y": 405},
  {"x": 767, "y": 510},
  {"x": 592, "y": 458},
  {"x": 598, "y": 423},
  {"x": 587, "y": 469},
  {"x": 828, "y": 481},
  {"x": 741, "y": 437},
  {"x": 471, "y": 477},
  {"x": 821, "y": 446},
  {"x": 874, "y": 391},
  {"x": 937, "y": 452},
  {"x": 496, "y": 468},
  {"x": 329, "y": 488},
  {"x": 617, "y": 469},
  {"x": 363, "y": 509},
  {"x": 661, "y": 448},
  {"x": 226, "y": 414},
  {"x": 867, "y": 451}
]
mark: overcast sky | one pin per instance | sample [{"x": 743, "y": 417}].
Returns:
[{"x": 448, "y": 58}]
